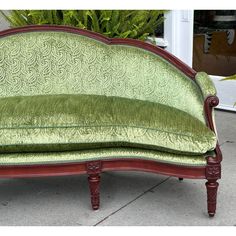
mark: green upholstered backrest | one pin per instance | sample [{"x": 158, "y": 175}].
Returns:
[{"x": 55, "y": 62}]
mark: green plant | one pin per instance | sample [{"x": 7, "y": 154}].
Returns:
[
  {"x": 232, "y": 77},
  {"x": 138, "y": 24}
]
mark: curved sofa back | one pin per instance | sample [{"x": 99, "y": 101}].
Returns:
[{"x": 36, "y": 61}]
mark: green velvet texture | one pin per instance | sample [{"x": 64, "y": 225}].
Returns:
[
  {"x": 206, "y": 84},
  {"x": 100, "y": 154},
  {"x": 75, "y": 122},
  {"x": 38, "y": 63}
]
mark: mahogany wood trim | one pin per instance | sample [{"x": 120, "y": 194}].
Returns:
[
  {"x": 192, "y": 172},
  {"x": 210, "y": 103},
  {"x": 213, "y": 168},
  {"x": 195, "y": 172},
  {"x": 112, "y": 41},
  {"x": 19, "y": 171},
  {"x": 212, "y": 187},
  {"x": 94, "y": 169},
  {"x": 94, "y": 185}
]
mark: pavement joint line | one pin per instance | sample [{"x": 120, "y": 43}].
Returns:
[
  {"x": 128, "y": 203},
  {"x": 227, "y": 141}
]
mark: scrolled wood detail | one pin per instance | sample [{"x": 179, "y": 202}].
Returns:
[
  {"x": 213, "y": 101},
  {"x": 217, "y": 159},
  {"x": 209, "y": 104}
]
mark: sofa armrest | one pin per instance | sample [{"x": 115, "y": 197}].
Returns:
[
  {"x": 206, "y": 85},
  {"x": 210, "y": 102},
  {"x": 210, "y": 99}
]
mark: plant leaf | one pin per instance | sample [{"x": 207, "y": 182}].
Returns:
[
  {"x": 138, "y": 24},
  {"x": 233, "y": 77}
]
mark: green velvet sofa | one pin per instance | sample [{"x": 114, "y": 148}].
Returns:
[{"x": 75, "y": 102}]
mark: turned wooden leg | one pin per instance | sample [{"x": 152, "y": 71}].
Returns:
[
  {"x": 94, "y": 182},
  {"x": 93, "y": 170},
  {"x": 181, "y": 179},
  {"x": 212, "y": 187}
]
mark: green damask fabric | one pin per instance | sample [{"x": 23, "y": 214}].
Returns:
[
  {"x": 206, "y": 84},
  {"x": 74, "y": 122},
  {"x": 40, "y": 63},
  {"x": 100, "y": 154}
]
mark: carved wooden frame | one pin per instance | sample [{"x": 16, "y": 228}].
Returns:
[{"x": 211, "y": 172}]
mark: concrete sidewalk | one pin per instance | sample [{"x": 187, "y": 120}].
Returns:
[{"x": 127, "y": 198}]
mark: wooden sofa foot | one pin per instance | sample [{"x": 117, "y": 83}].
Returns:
[
  {"x": 93, "y": 171},
  {"x": 94, "y": 182},
  {"x": 181, "y": 179},
  {"x": 212, "y": 187}
]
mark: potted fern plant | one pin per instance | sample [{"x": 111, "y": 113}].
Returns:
[{"x": 137, "y": 24}]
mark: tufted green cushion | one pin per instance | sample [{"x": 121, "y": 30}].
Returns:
[
  {"x": 37, "y": 63},
  {"x": 75, "y": 122}
]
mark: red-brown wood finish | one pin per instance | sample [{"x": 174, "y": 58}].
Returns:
[
  {"x": 213, "y": 168},
  {"x": 211, "y": 172},
  {"x": 181, "y": 171},
  {"x": 212, "y": 187},
  {"x": 93, "y": 170}
]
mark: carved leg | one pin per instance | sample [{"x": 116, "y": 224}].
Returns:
[
  {"x": 94, "y": 170},
  {"x": 94, "y": 181},
  {"x": 212, "y": 187},
  {"x": 181, "y": 179}
]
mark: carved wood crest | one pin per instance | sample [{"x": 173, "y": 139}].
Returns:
[
  {"x": 213, "y": 171},
  {"x": 94, "y": 167}
]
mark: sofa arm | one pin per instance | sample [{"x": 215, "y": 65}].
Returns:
[
  {"x": 206, "y": 85},
  {"x": 208, "y": 91},
  {"x": 210, "y": 102},
  {"x": 209, "y": 95}
]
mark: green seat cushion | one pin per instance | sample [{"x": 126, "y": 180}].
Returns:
[
  {"x": 47, "y": 123},
  {"x": 124, "y": 153}
]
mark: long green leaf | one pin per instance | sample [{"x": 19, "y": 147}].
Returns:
[
  {"x": 137, "y": 24},
  {"x": 233, "y": 77}
]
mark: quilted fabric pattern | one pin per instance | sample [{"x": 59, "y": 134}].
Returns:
[
  {"x": 100, "y": 154},
  {"x": 75, "y": 122},
  {"x": 37, "y": 63}
]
